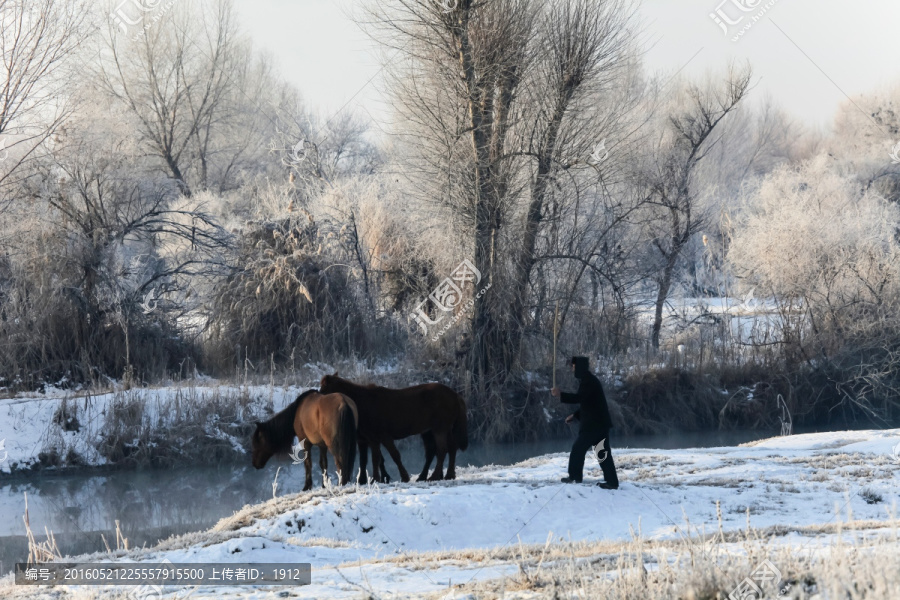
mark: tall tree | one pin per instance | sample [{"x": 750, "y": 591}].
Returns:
[
  {"x": 188, "y": 79},
  {"x": 669, "y": 177},
  {"x": 587, "y": 52},
  {"x": 499, "y": 98}
]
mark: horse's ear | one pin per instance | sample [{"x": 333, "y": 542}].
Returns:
[{"x": 335, "y": 374}]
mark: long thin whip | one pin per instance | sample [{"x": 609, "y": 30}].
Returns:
[{"x": 555, "y": 333}]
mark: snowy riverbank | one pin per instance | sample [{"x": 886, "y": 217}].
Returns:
[
  {"x": 199, "y": 421},
  {"x": 143, "y": 426},
  {"x": 404, "y": 540}
]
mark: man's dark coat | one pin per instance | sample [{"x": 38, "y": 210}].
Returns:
[{"x": 593, "y": 412}]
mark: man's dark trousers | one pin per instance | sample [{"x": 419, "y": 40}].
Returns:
[{"x": 583, "y": 443}]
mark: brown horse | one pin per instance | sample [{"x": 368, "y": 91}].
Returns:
[
  {"x": 433, "y": 410},
  {"x": 328, "y": 421}
]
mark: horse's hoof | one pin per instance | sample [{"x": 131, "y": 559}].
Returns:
[
  {"x": 436, "y": 477},
  {"x": 421, "y": 478},
  {"x": 450, "y": 475},
  {"x": 307, "y": 487},
  {"x": 404, "y": 478}
]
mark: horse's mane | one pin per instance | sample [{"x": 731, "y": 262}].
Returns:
[
  {"x": 280, "y": 428},
  {"x": 359, "y": 387},
  {"x": 341, "y": 381}
]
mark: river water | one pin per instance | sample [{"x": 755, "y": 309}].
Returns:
[{"x": 151, "y": 505}]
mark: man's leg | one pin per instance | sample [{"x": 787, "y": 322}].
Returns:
[
  {"x": 608, "y": 466},
  {"x": 576, "y": 457}
]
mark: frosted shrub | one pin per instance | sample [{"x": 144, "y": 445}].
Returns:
[
  {"x": 811, "y": 236},
  {"x": 828, "y": 252},
  {"x": 282, "y": 295}
]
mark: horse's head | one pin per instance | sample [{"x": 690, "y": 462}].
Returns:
[
  {"x": 261, "y": 446},
  {"x": 328, "y": 384}
]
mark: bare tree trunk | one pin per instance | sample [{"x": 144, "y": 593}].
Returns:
[
  {"x": 177, "y": 176},
  {"x": 665, "y": 285},
  {"x": 479, "y": 117},
  {"x": 526, "y": 257}
]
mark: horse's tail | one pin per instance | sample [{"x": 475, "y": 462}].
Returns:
[
  {"x": 461, "y": 426},
  {"x": 345, "y": 440}
]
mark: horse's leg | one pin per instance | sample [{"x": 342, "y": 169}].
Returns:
[
  {"x": 323, "y": 461},
  {"x": 376, "y": 463},
  {"x": 338, "y": 465},
  {"x": 451, "y": 463},
  {"x": 440, "y": 441},
  {"x": 307, "y": 463},
  {"x": 395, "y": 454},
  {"x": 363, "y": 459},
  {"x": 379, "y": 473},
  {"x": 428, "y": 441},
  {"x": 385, "y": 476}
]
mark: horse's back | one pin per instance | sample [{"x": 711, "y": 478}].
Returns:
[
  {"x": 338, "y": 401},
  {"x": 320, "y": 415},
  {"x": 401, "y": 412},
  {"x": 435, "y": 403},
  {"x": 435, "y": 390},
  {"x": 376, "y": 393}
]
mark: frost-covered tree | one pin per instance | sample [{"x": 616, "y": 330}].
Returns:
[
  {"x": 196, "y": 91},
  {"x": 689, "y": 130},
  {"x": 36, "y": 39},
  {"x": 101, "y": 256},
  {"x": 819, "y": 243},
  {"x": 504, "y": 108},
  {"x": 866, "y": 141},
  {"x": 826, "y": 249}
]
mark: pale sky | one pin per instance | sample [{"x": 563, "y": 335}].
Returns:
[{"x": 317, "y": 46}]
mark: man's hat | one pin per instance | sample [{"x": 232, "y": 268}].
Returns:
[{"x": 582, "y": 364}]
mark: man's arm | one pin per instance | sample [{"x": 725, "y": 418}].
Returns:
[
  {"x": 570, "y": 398},
  {"x": 576, "y": 398}
]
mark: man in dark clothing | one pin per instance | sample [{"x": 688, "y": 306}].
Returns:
[{"x": 593, "y": 413}]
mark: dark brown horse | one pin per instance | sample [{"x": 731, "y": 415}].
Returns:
[
  {"x": 432, "y": 409},
  {"x": 327, "y": 421}
]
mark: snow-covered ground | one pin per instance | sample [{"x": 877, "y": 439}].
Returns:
[
  {"x": 748, "y": 318},
  {"x": 412, "y": 540}
]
